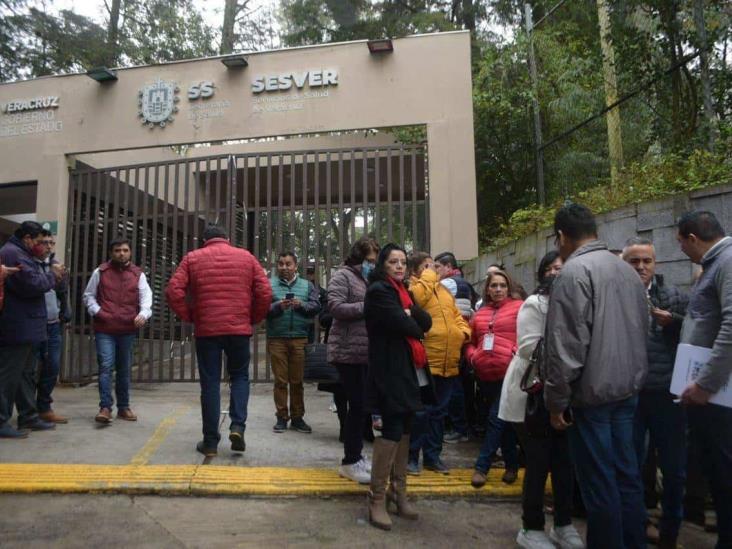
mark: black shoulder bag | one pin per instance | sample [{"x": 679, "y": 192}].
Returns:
[{"x": 536, "y": 420}]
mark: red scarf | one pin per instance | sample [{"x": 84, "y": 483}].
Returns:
[{"x": 419, "y": 355}]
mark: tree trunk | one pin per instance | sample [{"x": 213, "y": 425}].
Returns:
[
  {"x": 614, "y": 133},
  {"x": 113, "y": 33},
  {"x": 710, "y": 126},
  {"x": 227, "y": 29}
]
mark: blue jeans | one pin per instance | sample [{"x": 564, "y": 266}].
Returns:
[
  {"x": 209, "y": 351},
  {"x": 498, "y": 433},
  {"x": 711, "y": 431},
  {"x": 429, "y": 426},
  {"x": 665, "y": 423},
  {"x": 48, "y": 354},
  {"x": 456, "y": 408},
  {"x": 114, "y": 352},
  {"x": 605, "y": 460}
]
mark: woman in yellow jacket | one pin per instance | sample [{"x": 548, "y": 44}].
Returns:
[{"x": 444, "y": 343}]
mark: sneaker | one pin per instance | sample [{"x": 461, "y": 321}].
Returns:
[
  {"x": 36, "y": 424},
  {"x": 8, "y": 431},
  {"x": 567, "y": 537},
  {"x": 479, "y": 479},
  {"x": 205, "y": 450},
  {"x": 455, "y": 437},
  {"x": 104, "y": 416},
  {"x": 367, "y": 463},
  {"x": 280, "y": 426},
  {"x": 299, "y": 425},
  {"x": 534, "y": 539},
  {"x": 437, "y": 467},
  {"x": 127, "y": 414},
  {"x": 236, "y": 436},
  {"x": 356, "y": 472},
  {"x": 510, "y": 476},
  {"x": 413, "y": 468}
]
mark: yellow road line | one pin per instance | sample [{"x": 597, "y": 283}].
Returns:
[
  {"x": 157, "y": 438},
  {"x": 227, "y": 480}
]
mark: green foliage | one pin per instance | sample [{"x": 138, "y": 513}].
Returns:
[{"x": 655, "y": 179}]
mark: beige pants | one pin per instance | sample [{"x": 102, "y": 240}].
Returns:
[{"x": 288, "y": 365}]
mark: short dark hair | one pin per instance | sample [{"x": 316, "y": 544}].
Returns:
[
  {"x": 360, "y": 249},
  {"x": 575, "y": 221},
  {"x": 702, "y": 224},
  {"x": 28, "y": 228},
  {"x": 447, "y": 258},
  {"x": 46, "y": 232},
  {"x": 214, "y": 231},
  {"x": 119, "y": 241},
  {"x": 415, "y": 259},
  {"x": 287, "y": 253}
]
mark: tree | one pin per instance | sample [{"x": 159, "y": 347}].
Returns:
[{"x": 245, "y": 27}]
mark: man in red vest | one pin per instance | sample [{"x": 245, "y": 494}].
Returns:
[{"x": 120, "y": 300}]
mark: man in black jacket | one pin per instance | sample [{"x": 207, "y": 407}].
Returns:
[{"x": 658, "y": 416}]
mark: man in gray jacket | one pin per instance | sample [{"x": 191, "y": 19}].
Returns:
[
  {"x": 708, "y": 323},
  {"x": 596, "y": 364}
]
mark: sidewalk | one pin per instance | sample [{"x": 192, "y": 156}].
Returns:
[{"x": 157, "y": 453}]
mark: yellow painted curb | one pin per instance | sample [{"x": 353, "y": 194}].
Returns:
[{"x": 210, "y": 480}]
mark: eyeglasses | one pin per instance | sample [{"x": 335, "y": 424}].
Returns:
[{"x": 47, "y": 243}]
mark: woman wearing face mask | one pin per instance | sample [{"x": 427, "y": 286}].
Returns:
[
  {"x": 544, "y": 452},
  {"x": 444, "y": 344},
  {"x": 490, "y": 351},
  {"x": 398, "y": 379},
  {"x": 348, "y": 350}
]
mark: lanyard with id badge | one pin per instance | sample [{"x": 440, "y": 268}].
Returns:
[{"x": 490, "y": 338}]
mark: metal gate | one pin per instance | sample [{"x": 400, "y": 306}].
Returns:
[{"x": 314, "y": 203}]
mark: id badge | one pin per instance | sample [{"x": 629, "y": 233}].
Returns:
[{"x": 488, "y": 342}]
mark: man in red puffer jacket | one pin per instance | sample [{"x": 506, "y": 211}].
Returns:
[
  {"x": 490, "y": 352},
  {"x": 223, "y": 290}
]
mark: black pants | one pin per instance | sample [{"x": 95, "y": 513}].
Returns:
[
  {"x": 396, "y": 425},
  {"x": 711, "y": 431},
  {"x": 545, "y": 455},
  {"x": 17, "y": 382},
  {"x": 353, "y": 381}
]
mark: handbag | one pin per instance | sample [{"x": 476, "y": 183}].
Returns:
[
  {"x": 317, "y": 369},
  {"x": 536, "y": 418}
]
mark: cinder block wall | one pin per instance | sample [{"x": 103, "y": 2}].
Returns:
[{"x": 655, "y": 220}]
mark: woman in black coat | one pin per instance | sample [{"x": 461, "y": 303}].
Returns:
[{"x": 398, "y": 378}]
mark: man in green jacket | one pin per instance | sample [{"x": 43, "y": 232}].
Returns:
[{"x": 295, "y": 302}]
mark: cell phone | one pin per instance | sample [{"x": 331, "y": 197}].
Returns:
[{"x": 289, "y": 296}]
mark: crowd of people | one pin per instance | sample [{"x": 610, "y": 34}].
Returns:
[{"x": 576, "y": 376}]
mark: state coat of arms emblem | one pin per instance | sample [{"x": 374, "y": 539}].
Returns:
[{"x": 157, "y": 103}]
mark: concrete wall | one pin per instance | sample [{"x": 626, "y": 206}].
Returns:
[
  {"x": 654, "y": 220},
  {"x": 426, "y": 80}
]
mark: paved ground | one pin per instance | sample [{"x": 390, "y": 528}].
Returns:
[
  {"x": 134, "y": 457},
  {"x": 170, "y": 425}
]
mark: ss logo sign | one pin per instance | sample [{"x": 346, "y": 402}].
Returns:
[{"x": 201, "y": 90}]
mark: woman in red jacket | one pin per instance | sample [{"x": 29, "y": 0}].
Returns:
[{"x": 490, "y": 351}]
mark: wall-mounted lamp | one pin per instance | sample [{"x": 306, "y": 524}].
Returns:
[
  {"x": 384, "y": 45},
  {"x": 102, "y": 74},
  {"x": 235, "y": 61}
]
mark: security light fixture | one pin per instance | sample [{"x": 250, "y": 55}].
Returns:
[
  {"x": 235, "y": 61},
  {"x": 384, "y": 45},
  {"x": 102, "y": 74}
]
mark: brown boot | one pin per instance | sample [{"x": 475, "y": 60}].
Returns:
[
  {"x": 53, "y": 417},
  {"x": 127, "y": 414},
  {"x": 479, "y": 479},
  {"x": 104, "y": 416},
  {"x": 381, "y": 463},
  {"x": 397, "y": 491}
]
